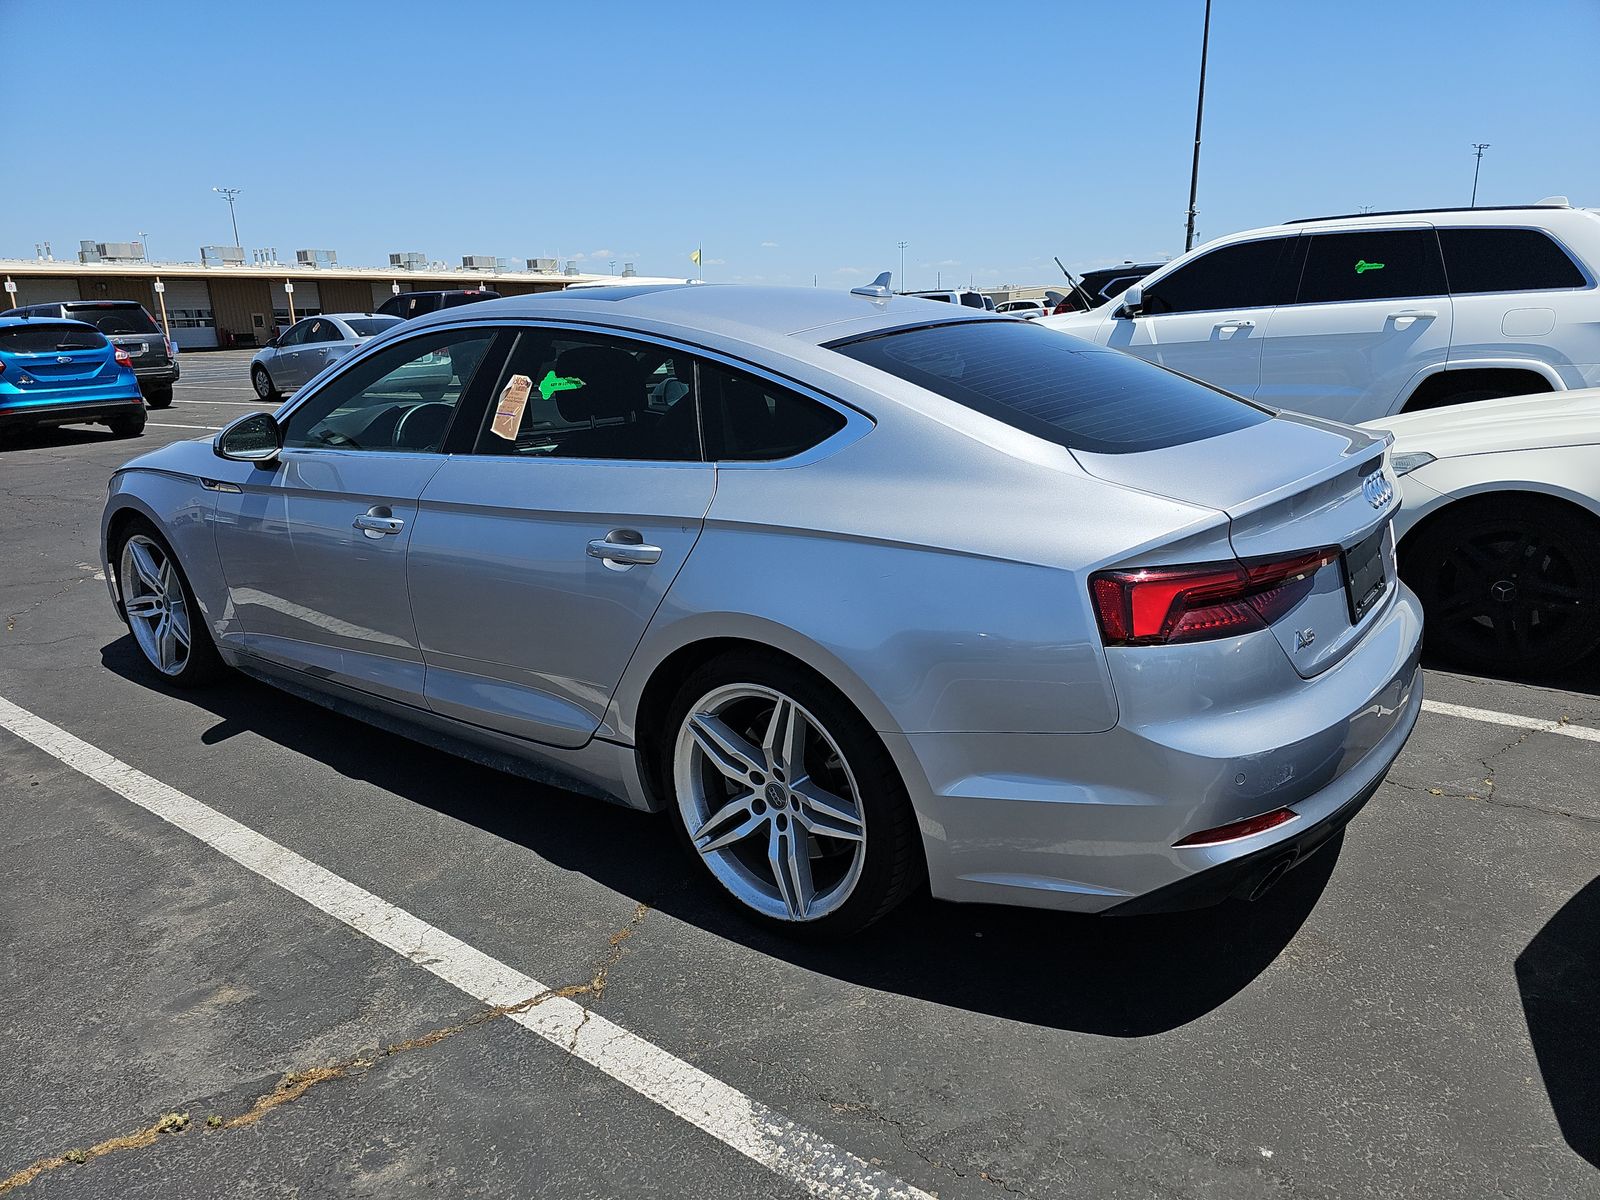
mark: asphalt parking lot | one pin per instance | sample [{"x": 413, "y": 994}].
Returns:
[{"x": 247, "y": 945}]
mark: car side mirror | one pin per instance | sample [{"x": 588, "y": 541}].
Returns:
[
  {"x": 254, "y": 437},
  {"x": 1132, "y": 301}
]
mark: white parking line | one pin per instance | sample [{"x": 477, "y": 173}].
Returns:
[
  {"x": 170, "y": 425},
  {"x": 1490, "y": 717},
  {"x": 727, "y": 1114}
]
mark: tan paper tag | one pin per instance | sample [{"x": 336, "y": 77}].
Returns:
[{"x": 508, "y": 413}]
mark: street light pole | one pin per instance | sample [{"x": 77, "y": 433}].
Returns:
[
  {"x": 144, "y": 242},
  {"x": 1199, "y": 115},
  {"x": 229, "y": 194},
  {"x": 1480, "y": 147},
  {"x": 902, "y": 246}
]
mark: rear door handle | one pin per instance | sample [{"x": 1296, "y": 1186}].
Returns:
[
  {"x": 1246, "y": 323},
  {"x": 1414, "y": 314},
  {"x": 624, "y": 548},
  {"x": 378, "y": 522}
]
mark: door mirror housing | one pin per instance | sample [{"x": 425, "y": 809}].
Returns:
[
  {"x": 1132, "y": 301},
  {"x": 272, "y": 341},
  {"x": 255, "y": 437}
]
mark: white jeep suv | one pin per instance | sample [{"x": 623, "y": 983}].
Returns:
[{"x": 1358, "y": 317}]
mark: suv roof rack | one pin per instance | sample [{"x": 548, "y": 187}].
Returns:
[{"x": 1418, "y": 212}]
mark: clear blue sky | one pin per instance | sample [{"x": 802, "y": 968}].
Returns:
[{"x": 792, "y": 139}]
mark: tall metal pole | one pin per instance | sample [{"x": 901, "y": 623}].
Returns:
[
  {"x": 1199, "y": 116},
  {"x": 902, "y": 246},
  {"x": 1480, "y": 147},
  {"x": 229, "y": 194}
]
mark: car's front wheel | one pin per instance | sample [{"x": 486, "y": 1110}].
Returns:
[
  {"x": 788, "y": 798},
  {"x": 262, "y": 382},
  {"x": 1508, "y": 585},
  {"x": 160, "y": 606}
]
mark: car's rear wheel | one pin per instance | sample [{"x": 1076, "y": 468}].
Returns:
[
  {"x": 159, "y": 397},
  {"x": 787, "y": 797},
  {"x": 163, "y": 616},
  {"x": 1509, "y": 585},
  {"x": 262, "y": 382},
  {"x": 131, "y": 425}
]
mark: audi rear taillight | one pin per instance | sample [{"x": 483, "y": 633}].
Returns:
[
  {"x": 122, "y": 358},
  {"x": 1162, "y": 605}
]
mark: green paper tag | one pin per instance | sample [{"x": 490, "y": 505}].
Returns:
[{"x": 553, "y": 383}]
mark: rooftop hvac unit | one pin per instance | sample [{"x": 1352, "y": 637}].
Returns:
[
  {"x": 548, "y": 266},
  {"x": 413, "y": 260},
  {"x": 88, "y": 251},
  {"x": 477, "y": 262},
  {"x": 222, "y": 256},
  {"x": 316, "y": 258},
  {"x": 628, "y": 269},
  {"x": 120, "y": 251},
  {"x": 571, "y": 269},
  {"x": 509, "y": 266}
]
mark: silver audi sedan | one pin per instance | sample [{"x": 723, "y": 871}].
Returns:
[
  {"x": 295, "y": 356},
  {"x": 867, "y": 593}
]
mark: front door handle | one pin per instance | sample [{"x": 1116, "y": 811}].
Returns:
[
  {"x": 378, "y": 522},
  {"x": 1224, "y": 326},
  {"x": 1409, "y": 315},
  {"x": 624, "y": 548}
]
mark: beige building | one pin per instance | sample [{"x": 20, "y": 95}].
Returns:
[{"x": 237, "y": 305}]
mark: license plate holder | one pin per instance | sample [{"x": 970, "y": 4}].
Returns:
[{"x": 1365, "y": 580}]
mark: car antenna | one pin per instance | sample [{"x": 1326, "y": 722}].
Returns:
[
  {"x": 1076, "y": 286},
  {"x": 878, "y": 289}
]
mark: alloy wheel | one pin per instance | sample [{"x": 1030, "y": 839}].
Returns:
[
  {"x": 158, "y": 611},
  {"x": 263, "y": 383},
  {"x": 1507, "y": 592},
  {"x": 769, "y": 802}
]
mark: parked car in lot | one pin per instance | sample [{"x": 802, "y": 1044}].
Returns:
[
  {"x": 1100, "y": 285},
  {"x": 1500, "y": 530},
  {"x": 55, "y": 372},
  {"x": 406, "y": 305},
  {"x": 811, "y": 573},
  {"x": 966, "y": 297},
  {"x": 1358, "y": 317},
  {"x": 131, "y": 328},
  {"x": 1027, "y": 309},
  {"x": 292, "y": 357}
]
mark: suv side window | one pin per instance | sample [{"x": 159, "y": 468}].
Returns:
[
  {"x": 401, "y": 399},
  {"x": 1240, "y": 276},
  {"x": 1381, "y": 264},
  {"x": 1506, "y": 260},
  {"x": 748, "y": 419},
  {"x": 593, "y": 396}
]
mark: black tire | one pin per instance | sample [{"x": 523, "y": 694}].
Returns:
[
  {"x": 204, "y": 665},
  {"x": 1509, "y": 585},
  {"x": 262, "y": 382},
  {"x": 159, "y": 397},
  {"x": 131, "y": 425},
  {"x": 893, "y": 865}
]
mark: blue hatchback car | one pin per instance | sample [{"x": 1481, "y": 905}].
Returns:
[{"x": 57, "y": 372}]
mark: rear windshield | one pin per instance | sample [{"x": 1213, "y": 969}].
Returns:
[
  {"x": 1056, "y": 387},
  {"x": 47, "y": 339},
  {"x": 368, "y": 326},
  {"x": 116, "y": 319}
]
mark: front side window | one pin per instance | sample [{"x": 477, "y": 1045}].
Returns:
[
  {"x": 749, "y": 419},
  {"x": 401, "y": 399},
  {"x": 295, "y": 336},
  {"x": 1240, "y": 276},
  {"x": 324, "y": 331},
  {"x": 571, "y": 394},
  {"x": 1506, "y": 260},
  {"x": 1383, "y": 264},
  {"x": 1061, "y": 389}
]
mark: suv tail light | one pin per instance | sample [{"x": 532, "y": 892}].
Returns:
[
  {"x": 1162, "y": 605},
  {"x": 122, "y": 358}
]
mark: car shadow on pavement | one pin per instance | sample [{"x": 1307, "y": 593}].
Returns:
[
  {"x": 1116, "y": 976},
  {"x": 34, "y": 437},
  {"x": 1558, "y": 976}
]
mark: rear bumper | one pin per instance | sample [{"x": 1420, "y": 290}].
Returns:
[
  {"x": 1089, "y": 822},
  {"x": 164, "y": 375},
  {"x": 69, "y": 412}
]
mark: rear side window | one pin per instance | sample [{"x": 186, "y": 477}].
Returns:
[
  {"x": 1055, "y": 387},
  {"x": 1384, "y": 264},
  {"x": 46, "y": 339},
  {"x": 748, "y": 419},
  {"x": 114, "y": 319},
  {"x": 1241, "y": 276},
  {"x": 1506, "y": 260}
]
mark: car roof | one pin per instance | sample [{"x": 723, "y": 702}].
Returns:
[
  {"x": 752, "y": 312},
  {"x": 36, "y": 322},
  {"x": 352, "y": 316}
]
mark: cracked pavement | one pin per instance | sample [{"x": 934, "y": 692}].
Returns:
[{"x": 1410, "y": 1013}]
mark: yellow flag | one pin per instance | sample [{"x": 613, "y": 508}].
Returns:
[{"x": 695, "y": 258}]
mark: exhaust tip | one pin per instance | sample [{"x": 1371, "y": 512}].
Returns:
[{"x": 1271, "y": 876}]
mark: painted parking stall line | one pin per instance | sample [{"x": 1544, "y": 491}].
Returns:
[
  {"x": 738, "y": 1121},
  {"x": 1512, "y": 720}
]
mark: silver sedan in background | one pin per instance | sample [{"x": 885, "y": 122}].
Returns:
[
  {"x": 293, "y": 357},
  {"x": 864, "y": 592}
]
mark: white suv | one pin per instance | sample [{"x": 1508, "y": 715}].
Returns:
[{"x": 1362, "y": 316}]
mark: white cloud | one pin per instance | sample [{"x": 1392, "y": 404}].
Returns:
[
  {"x": 716, "y": 262},
  {"x": 768, "y": 245},
  {"x": 850, "y": 270},
  {"x": 602, "y": 254},
  {"x": 578, "y": 257}
]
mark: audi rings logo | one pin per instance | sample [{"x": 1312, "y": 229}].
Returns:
[{"x": 1377, "y": 489}]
